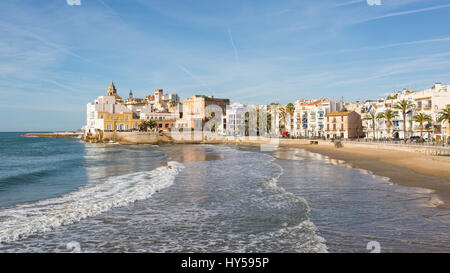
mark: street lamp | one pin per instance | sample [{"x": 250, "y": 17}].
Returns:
[{"x": 443, "y": 128}]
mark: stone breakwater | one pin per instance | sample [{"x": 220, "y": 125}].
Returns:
[{"x": 55, "y": 134}]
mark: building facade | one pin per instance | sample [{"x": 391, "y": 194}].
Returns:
[
  {"x": 429, "y": 101},
  {"x": 195, "y": 113},
  {"x": 309, "y": 117},
  {"x": 235, "y": 120},
  {"x": 343, "y": 124}
]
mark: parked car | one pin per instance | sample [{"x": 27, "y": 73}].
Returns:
[
  {"x": 415, "y": 139},
  {"x": 285, "y": 134}
]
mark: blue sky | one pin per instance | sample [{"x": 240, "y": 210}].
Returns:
[{"x": 55, "y": 57}]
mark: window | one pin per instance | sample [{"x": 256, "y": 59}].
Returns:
[
  {"x": 419, "y": 104},
  {"x": 108, "y": 127},
  {"x": 167, "y": 125},
  {"x": 160, "y": 125}
]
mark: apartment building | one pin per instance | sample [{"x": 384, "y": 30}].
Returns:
[
  {"x": 309, "y": 116},
  {"x": 235, "y": 120},
  {"x": 343, "y": 124},
  {"x": 196, "y": 114}
]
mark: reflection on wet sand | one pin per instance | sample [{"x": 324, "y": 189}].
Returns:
[{"x": 191, "y": 153}]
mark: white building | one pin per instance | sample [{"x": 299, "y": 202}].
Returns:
[
  {"x": 429, "y": 101},
  {"x": 309, "y": 116},
  {"x": 235, "y": 120},
  {"x": 111, "y": 104}
]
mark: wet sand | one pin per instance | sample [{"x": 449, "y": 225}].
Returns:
[{"x": 403, "y": 168}]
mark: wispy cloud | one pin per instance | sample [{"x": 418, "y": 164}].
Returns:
[
  {"x": 236, "y": 55},
  {"x": 401, "y": 13},
  {"x": 193, "y": 76},
  {"x": 348, "y": 3},
  {"x": 367, "y": 48},
  {"x": 23, "y": 32}
]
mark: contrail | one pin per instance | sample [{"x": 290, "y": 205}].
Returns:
[
  {"x": 236, "y": 55},
  {"x": 407, "y": 12},
  {"x": 194, "y": 77}
]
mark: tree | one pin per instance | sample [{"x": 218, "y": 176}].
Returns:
[
  {"x": 146, "y": 124},
  {"x": 151, "y": 124},
  {"x": 282, "y": 114},
  {"x": 274, "y": 106},
  {"x": 404, "y": 106},
  {"x": 444, "y": 115},
  {"x": 290, "y": 109},
  {"x": 421, "y": 118},
  {"x": 388, "y": 116},
  {"x": 372, "y": 117},
  {"x": 142, "y": 126}
]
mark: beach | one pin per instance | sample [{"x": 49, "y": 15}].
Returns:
[{"x": 412, "y": 169}]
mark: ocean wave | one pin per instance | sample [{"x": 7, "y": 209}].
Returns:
[
  {"x": 315, "y": 243},
  {"x": 23, "y": 220}
]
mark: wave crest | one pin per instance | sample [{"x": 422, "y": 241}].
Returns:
[{"x": 23, "y": 220}]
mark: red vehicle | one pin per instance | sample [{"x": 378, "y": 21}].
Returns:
[{"x": 285, "y": 134}]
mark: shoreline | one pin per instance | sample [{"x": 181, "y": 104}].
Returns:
[{"x": 410, "y": 169}]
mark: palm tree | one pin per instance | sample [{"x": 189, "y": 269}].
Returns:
[
  {"x": 444, "y": 116},
  {"x": 151, "y": 124},
  {"x": 290, "y": 109},
  {"x": 146, "y": 124},
  {"x": 142, "y": 125},
  {"x": 387, "y": 115},
  {"x": 404, "y": 106},
  {"x": 421, "y": 118},
  {"x": 274, "y": 106},
  {"x": 372, "y": 117},
  {"x": 282, "y": 114}
]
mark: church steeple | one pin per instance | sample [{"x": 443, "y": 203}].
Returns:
[
  {"x": 131, "y": 94},
  {"x": 111, "y": 89}
]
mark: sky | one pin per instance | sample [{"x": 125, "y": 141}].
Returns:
[{"x": 58, "y": 55}]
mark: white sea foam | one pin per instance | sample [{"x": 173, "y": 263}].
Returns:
[
  {"x": 23, "y": 220},
  {"x": 315, "y": 243}
]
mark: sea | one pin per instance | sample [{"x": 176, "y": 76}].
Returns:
[{"x": 64, "y": 195}]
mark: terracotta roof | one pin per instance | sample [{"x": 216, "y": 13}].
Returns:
[
  {"x": 338, "y": 113},
  {"x": 318, "y": 101}
]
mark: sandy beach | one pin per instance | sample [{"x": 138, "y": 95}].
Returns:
[{"x": 411, "y": 169}]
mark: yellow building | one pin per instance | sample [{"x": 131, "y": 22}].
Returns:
[{"x": 122, "y": 121}]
